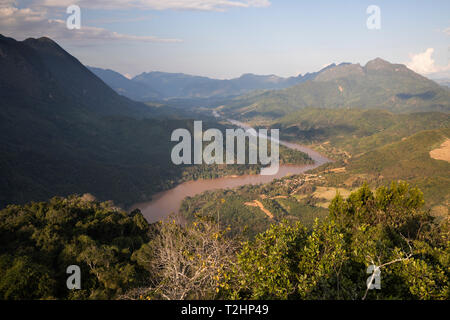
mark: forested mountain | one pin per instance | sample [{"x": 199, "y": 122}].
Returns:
[
  {"x": 357, "y": 130},
  {"x": 39, "y": 72},
  {"x": 64, "y": 131},
  {"x": 377, "y": 85}
]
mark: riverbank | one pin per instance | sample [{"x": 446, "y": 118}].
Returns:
[{"x": 169, "y": 202}]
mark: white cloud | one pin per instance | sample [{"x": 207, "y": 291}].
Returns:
[
  {"x": 36, "y": 19},
  {"x": 87, "y": 33},
  {"x": 447, "y": 31},
  {"x": 424, "y": 63},
  {"x": 27, "y": 22},
  {"x": 204, "y": 5}
]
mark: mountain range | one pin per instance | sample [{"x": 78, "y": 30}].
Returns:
[
  {"x": 377, "y": 85},
  {"x": 124, "y": 86},
  {"x": 63, "y": 130},
  {"x": 150, "y": 86}
]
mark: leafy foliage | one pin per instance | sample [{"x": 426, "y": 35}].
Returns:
[{"x": 387, "y": 229}]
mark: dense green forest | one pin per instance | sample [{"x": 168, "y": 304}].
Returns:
[
  {"x": 40, "y": 240},
  {"x": 121, "y": 256}
]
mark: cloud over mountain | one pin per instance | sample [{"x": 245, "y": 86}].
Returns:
[
  {"x": 424, "y": 63},
  {"x": 37, "y": 21}
]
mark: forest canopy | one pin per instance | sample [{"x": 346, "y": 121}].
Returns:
[{"x": 122, "y": 256}]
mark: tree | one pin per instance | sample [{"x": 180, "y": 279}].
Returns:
[{"x": 186, "y": 261}]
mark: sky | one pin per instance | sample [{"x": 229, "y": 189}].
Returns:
[{"x": 227, "y": 38}]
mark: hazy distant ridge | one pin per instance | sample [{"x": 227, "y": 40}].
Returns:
[{"x": 162, "y": 85}]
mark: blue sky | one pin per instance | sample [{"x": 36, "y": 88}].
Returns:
[{"x": 226, "y": 38}]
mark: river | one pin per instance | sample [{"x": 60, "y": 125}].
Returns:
[{"x": 167, "y": 202}]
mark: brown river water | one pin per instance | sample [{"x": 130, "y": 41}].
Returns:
[{"x": 165, "y": 203}]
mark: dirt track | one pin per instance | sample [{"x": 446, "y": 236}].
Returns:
[{"x": 257, "y": 203}]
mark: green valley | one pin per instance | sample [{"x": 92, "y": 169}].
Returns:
[{"x": 88, "y": 180}]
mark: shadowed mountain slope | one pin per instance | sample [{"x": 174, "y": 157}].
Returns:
[{"x": 64, "y": 131}]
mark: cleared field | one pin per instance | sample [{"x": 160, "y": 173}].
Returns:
[
  {"x": 443, "y": 152},
  {"x": 440, "y": 212},
  {"x": 328, "y": 193}
]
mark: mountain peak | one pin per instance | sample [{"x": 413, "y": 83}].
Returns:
[
  {"x": 377, "y": 64},
  {"x": 333, "y": 72},
  {"x": 41, "y": 41},
  {"x": 379, "y": 61},
  {"x": 45, "y": 44},
  {"x": 39, "y": 70},
  {"x": 385, "y": 66}
]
